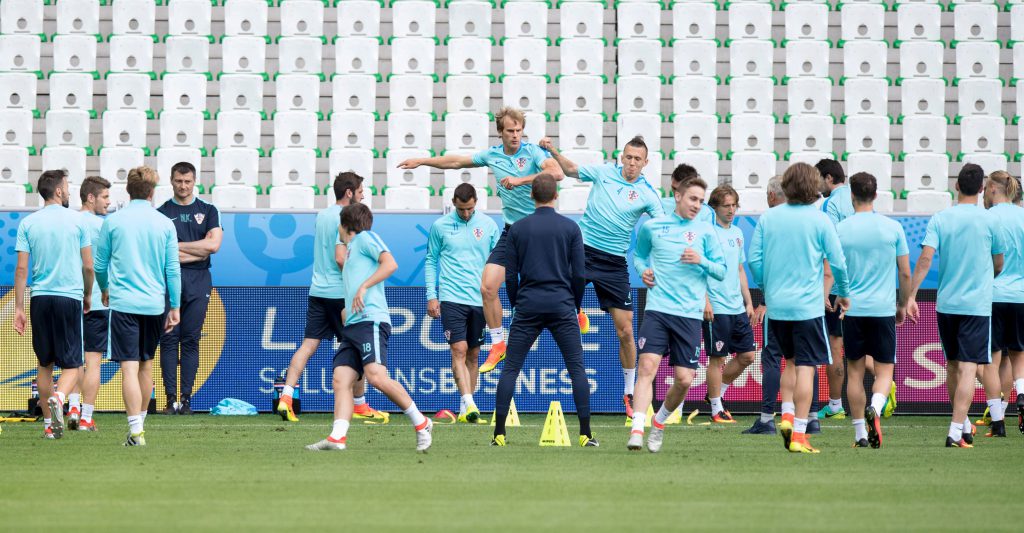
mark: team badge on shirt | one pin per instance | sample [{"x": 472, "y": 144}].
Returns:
[
  {"x": 200, "y": 218},
  {"x": 632, "y": 195},
  {"x": 690, "y": 237},
  {"x": 521, "y": 162},
  {"x": 478, "y": 233}
]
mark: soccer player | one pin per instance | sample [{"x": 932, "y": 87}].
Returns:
[
  {"x": 364, "y": 339},
  {"x": 545, "y": 279},
  {"x": 515, "y": 165},
  {"x": 675, "y": 256},
  {"x": 684, "y": 173},
  {"x": 876, "y": 253},
  {"x": 619, "y": 196},
  {"x": 138, "y": 272},
  {"x": 729, "y": 310},
  {"x": 199, "y": 232},
  {"x": 62, "y": 276},
  {"x": 457, "y": 250},
  {"x": 790, "y": 245},
  {"x": 95, "y": 194},
  {"x": 969, "y": 241},
  {"x": 326, "y": 305},
  {"x": 1007, "y": 302}
]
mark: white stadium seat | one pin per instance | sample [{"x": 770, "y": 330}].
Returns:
[
  {"x": 807, "y": 59},
  {"x": 189, "y": 17},
  {"x": 128, "y": 91},
  {"x": 131, "y": 53},
  {"x": 582, "y": 56},
  {"x": 923, "y": 97},
  {"x": 921, "y": 59},
  {"x": 918, "y": 21},
  {"x": 297, "y": 92},
  {"x": 468, "y": 93},
  {"x": 469, "y": 56},
  {"x": 980, "y": 97},
  {"x": 581, "y": 20},
  {"x": 16, "y": 127},
  {"x": 469, "y": 19},
  {"x": 67, "y": 127},
  {"x": 302, "y": 18},
  {"x": 245, "y": 17},
  {"x": 693, "y": 20},
  {"x": 977, "y": 60},
  {"x": 396, "y": 177},
  {"x": 752, "y": 170},
  {"x": 181, "y": 129},
  {"x": 749, "y": 20},
  {"x": 750, "y": 57},
  {"x": 187, "y": 53},
  {"x": 646, "y": 125},
  {"x": 696, "y": 132},
  {"x": 412, "y": 55},
  {"x": 988, "y": 161},
  {"x": 528, "y": 93},
  {"x": 116, "y": 161},
  {"x": 867, "y": 133},
  {"x": 810, "y": 134},
  {"x": 292, "y": 198},
  {"x": 408, "y": 130},
  {"x": 580, "y": 94},
  {"x": 638, "y": 21},
  {"x": 241, "y": 92},
  {"x": 705, "y": 163},
  {"x": 753, "y": 201},
  {"x": 751, "y": 95},
  {"x": 580, "y": 131},
  {"x": 476, "y": 175},
  {"x": 411, "y": 92},
  {"x": 11, "y": 195},
  {"x": 352, "y": 130},
  {"x": 806, "y": 21},
  {"x": 809, "y": 96},
  {"x": 358, "y": 18},
  {"x": 74, "y": 53},
  {"x": 878, "y": 165},
  {"x": 526, "y": 19},
  {"x": 925, "y": 179},
  {"x": 752, "y": 133},
  {"x": 862, "y": 21},
  {"x": 354, "y": 92},
  {"x": 236, "y": 167},
  {"x": 351, "y": 160},
  {"x": 234, "y": 197},
  {"x": 865, "y": 59},
  {"x": 124, "y": 128},
  {"x": 414, "y": 18},
  {"x": 71, "y": 91},
  {"x": 924, "y": 133},
  {"x": 974, "y": 22},
  {"x": 300, "y": 55},
  {"x": 20, "y": 53},
  {"x": 357, "y": 55},
  {"x": 407, "y": 198},
  {"x": 243, "y": 54},
  {"x": 292, "y": 167},
  {"x": 694, "y": 94},
  {"x": 982, "y": 134},
  {"x": 79, "y": 17},
  {"x": 295, "y": 129},
  {"x": 18, "y": 91},
  {"x": 639, "y": 57},
  {"x": 71, "y": 159},
  {"x": 573, "y": 199},
  {"x": 694, "y": 57},
  {"x": 535, "y": 128},
  {"x": 238, "y": 129},
  {"x": 184, "y": 92},
  {"x": 466, "y": 131},
  {"x": 14, "y": 167},
  {"x": 21, "y": 16},
  {"x": 866, "y": 96},
  {"x": 526, "y": 57},
  {"x": 638, "y": 94}
]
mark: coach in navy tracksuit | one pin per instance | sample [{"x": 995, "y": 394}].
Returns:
[
  {"x": 199, "y": 235},
  {"x": 544, "y": 278}
]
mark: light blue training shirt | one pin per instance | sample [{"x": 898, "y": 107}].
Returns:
[
  {"x": 456, "y": 253},
  {"x": 871, "y": 243},
  {"x": 726, "y": 295},
  {"x": 965, "y": 237},
  {"x": 614, "y": 206},
  {"x": 54, "y": 237},
  {"x": 515, "y": 203},
  {"x": 1009, "y": 284},
  {"x": 839, "y": 204},
  {"x": 327, "y": 276},
  {"x": 363, "y": 259}
]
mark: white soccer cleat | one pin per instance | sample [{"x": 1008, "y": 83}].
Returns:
[
  {"x": 636, "y": 441},
  {"x": 56, "y": 417},
  {"x": 327, "y": 445},
  {"x": 654, "y": 439},
  {"x": 424, "y": 438}
]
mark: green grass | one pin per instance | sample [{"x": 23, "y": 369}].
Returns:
[{"x": 209, "y": 473}]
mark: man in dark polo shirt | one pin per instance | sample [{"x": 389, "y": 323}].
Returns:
[{"x": 199, "y": 235}]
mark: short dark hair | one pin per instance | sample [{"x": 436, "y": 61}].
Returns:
[
  {"x": 182, "y": 168},
  {"x": 544, "y": 189},
  {"x": 863, "y": 187},
  {"x": 970, "y": 179},
  {"x": 638, "y": 142},
  {"x": 346, "y": 181},
  {"x": 831, "y": 167},
  {"x": 49, "y": 182},
  {"x": 801, "y": 183},
  {"x": 141, "y": 183},
  {"x": 722, "y": 192},
  {"x": 356, "y": 218},
  {"x": 692, "y": 182},
  {"x": 93, "y": 185},
  {"x": 682, "y": 173},
  {"x": 465, "y": 192}
]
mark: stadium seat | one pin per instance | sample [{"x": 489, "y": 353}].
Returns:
[
  {"x": 352, "y": 130},
  {"x": 245, "y": 18},
  {"x": 243, "y": 54},
  {"x": 653, "y": 170},
  {"x": 640, "y": 57},
  {"x": 528, "y": 93},
  {"x": 397, "y": 177},
  {"x": 693, "y": 20},
  {"x": 71, "y": 159},
  {"x": 181, "y": 129},
  {"x": 646, "y": 125},
  {"x": 810, "y": 134},
  {"x": 184, "y": 92},
  {"x": 525, "y": 57},
  {"x": 295, "y": 129},
  {"x": 878, "y": 165},
  {"x": 357, "y": 55},
  {"x": 79, "y": 17},
  {"x": 11, "y": 195},
  {"x": 302, "y": 18},
  {"x": 581, "y": 20},
  {"x": 809, "y": 96},
  {"x": 694, "y": 57},
  {"x": 18, "y": 91},
  {"x": 752, "y": 133},
  {"x": 413, "y": 18},
  {"x": 292, "y": 198},
  {"x": 918, "y": 21},
  {"x": 921, "y": 59},
  {"x": 14, "y": 168},
  {"x": 584, "y": 158},
  {"x": 750, "y": 57},
  {"x": 638, "y": 94},
  {"x": 189, "y": 17},
  {"x": 407, "y": 198},
  {"x": 694, "y": 94},
  {"x": 535, "y": 128},
  {"x": 409, "y": 130},
  {"x": 807, "y": 59},
  {"x": 238, "y": 167},
  {"x": 412, "y": 55},
  {"x": 116, "y": 161},
  {"x": 131, "y": 53},
  {"x": 924, "y": 133},
  {"x": 1018, "y": 64},
  {"x": 351, "y": 160},
  {"x": 867, "y": 133},
  {"x": 124, "y": 128},
  {"x": 754, "y": 201},
  {"x": 118, "y": 196},
  {"x": 71, "y": 91},
  {"x": 974, "y": 22},
  {"x": 988, "y": 161},
  {"x": 922, "y": 97},
  {"x": 752, "y": 170},
  {"x": 977, "y": 60},
  {"x": 241, "y": 92},
  {"x": 134, "y": 17},
  {"x": 696, "y": 132},
  {"x": 67, "y": 127},
  {"x": 16, "y": 126},
  {"x": 705, "y": 163},
  {"x": 469, "y": 56},
  {"x": 580, "y": 131},
  {"x": 234, "y": 197},
  {"x": 866, "y": 96},
  {"x": 980, "y": 97},
  {"x": 293, "y": 167},
  {"x": 865, "y": 59},
  {"x": 298, "y": 92},
  {"x": 466, "y": 131},
  {"x": 448, "y": 194},
  {"x": 300, "y": 55},
  {"x": 926, "y": 182},
  {"x": 20, "y": 53},
  {"x": 640, "y": 20},
  {"x": 354, "y": 92},
  {"x": 526, "y": 20},
  {"x": 862, "y": 21},
  {"x": 21, "y": 17},
  {"x": 358, "y": 18},
  {"x": 749, "y": 20},
  {"x": 74, "y": 53},
  {"x": 128, "y": 91},
  {"x": 806, "y": 21},
  {"x": 238, "y": 129},
  {"x": 476, "y": 175},
  {"x": 581, "y": 57},
  {"x": 469, "y": 19},
  {"x": 468, "y": 94},
  {"x": 580, "y": 94},
  {"x": 411, "y": 93},
  {"x": 187, "y": 53},
  {"x": 982, "y": 134},
  {"x": 751, "y": 95},
  {"x": 573, "y": 199}
]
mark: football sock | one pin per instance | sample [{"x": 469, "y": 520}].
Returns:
[
  {"x": 87, "y": 411},
  {"x": 639, "y": 419},
  {"x": 799, "y": 425},
  {"x": 1018, "y": 384},
  {"x": 1005, "y": 404},
  {"x": 968, "y": 427},
  {"x": 767, "y": 417},
  {"x": 956, "y": 431},
  {"x": 662, "y": 415},
  {"x": 716, "y": 406},
  {"x": 467, "y": 402},
  {"x": 496, "y": 335},
  {"x": 135, "y": 424},
  {"x": 725, "y": 387},
  {"x": 340, "y": 429},
  {"x": 629, "y": 378},
  {"x": 415, "y": 415},
  {"x": 788, "y": 408},
  {"x": 359, "y": 400},
  {"x": 835, "y": 405},
  {"x": 142, "y": 415},
  {"x": 47, "y": 422},
  {"x": 860, "y": 431},
  {"x": 877, "y": 402},
  {"x": 288, "y": 392},
  {"x": 75, "y": 401},
  {"x": 995, "y": 409},
  {"x": 61, "y": 398}
]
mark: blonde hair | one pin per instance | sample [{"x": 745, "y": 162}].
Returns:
[
  {"x": 1009, "y": 185},
  {"x": 141, "y": 182},
  {"x": 509, "y": 112}
]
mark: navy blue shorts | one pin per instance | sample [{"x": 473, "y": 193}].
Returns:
[
  {"x": 769, "y": 349},
  {"x": 57, "y": 330},
  {"x": 1007, "y": 327},
  {"x": 95, "y": 329},
  {"x": 323, "y": 318},
  {"x": 497, "y": 256},
  {"x": 363, "y": 343},
  {"x": 679, "y": 337},
  {"x": 870, "y": 335},
  {"x": 802, "y": 340},
  {"x": 610, "y": 275},
  {"x": 463, "y": 323},
  {"x": 965, "y": 338},
  {"x": 728, "y": 334},
  {"x": 134, "y": 337},
  {"x": 832, "y": 320}
]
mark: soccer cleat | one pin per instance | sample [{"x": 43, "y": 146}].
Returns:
[
  {"x": 827, "y": 412},
  {"x": 135, "y": 440},
  {"x": 498, "y": 440},
  {"x": 495, "y": 356},
  {"x": 284, "y": 408},
  {"x": 636, "y": 440},
  {"x": 997, "y": 429},
  {"x": 761, "y": 428},
  {"x": 423, "y": 437},
  {"x": 186, "y": 407},
  {"x": 57, "y": 417},
  {"x": 73, "y": 418},
  {"x": 471, "y": 416},
  {"x": 968, "y": 436},
  {"x": 986, "y": 418},
  {"x": 584, "y": 321},
  {"x": 370, "y": 415},
  {"x": 722, "y": 417},
  {"x": 588, "y": 441},
  {"x": 328, "y": 445},
  {"x": 874, "y": 427},
  {"x": 950, "y": 443},
  {"x": 48, "y": 434},
  {"x": 786, "y": 429},
  {"x": 802, "y": 445},
  {"x": 862, "y": 443},
  {"x": 627, "y": 400},
  {"x": 814, "y": 427},
  {"x": 890, "y": 402},
  {"x": 89, "y": 425},
  {"x": 655, "y": 439},
  {"x": 171, "y": 408},
  {"x": 1020, "y": 412}
]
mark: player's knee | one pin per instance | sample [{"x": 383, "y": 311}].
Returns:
[
  {"x": 624, "y": 331},
  {"x": 459, "y": 353},
  {"x": 684, "y": 379},
  {"x": 746, "y": 359},
  {"x": 647, "y": 368}
]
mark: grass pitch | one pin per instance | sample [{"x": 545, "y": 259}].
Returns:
[{"x": 233, "y": 473}]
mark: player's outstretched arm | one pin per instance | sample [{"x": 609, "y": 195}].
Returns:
[
  {"x": 444, "y": 162},
  {"x": 565, "y": 166}
]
